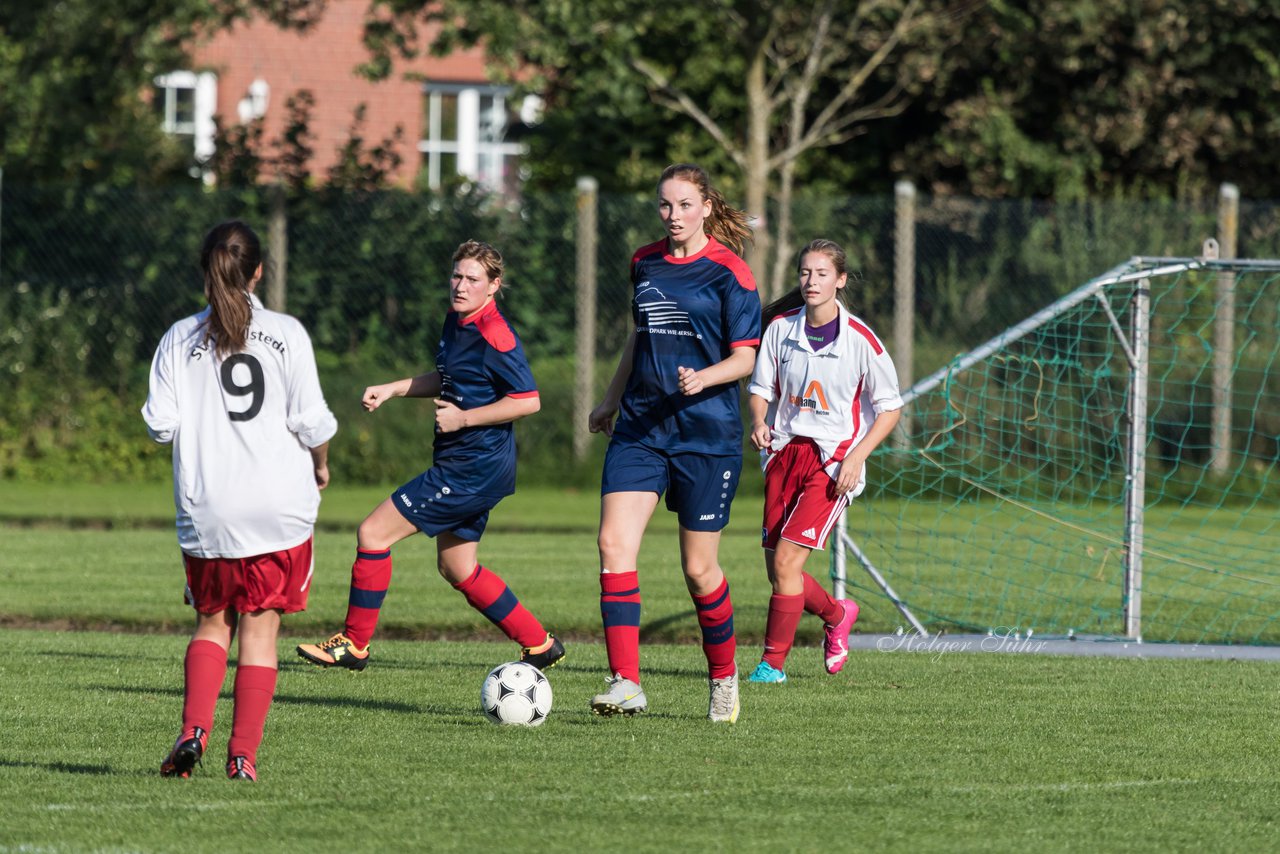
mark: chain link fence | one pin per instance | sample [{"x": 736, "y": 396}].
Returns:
[{"x": 90, "y": 279}]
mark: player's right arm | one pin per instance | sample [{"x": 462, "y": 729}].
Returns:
[
  {"x": 601, "y": 418},
  {"x": 423, "y": 385},
  {"x": 161, "y": 409},
  {"x": 761, "y": 433}
]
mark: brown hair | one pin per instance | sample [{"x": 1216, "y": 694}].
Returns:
[
  {"x": 793, "y": 299},
  {"x": 229, "y": 258},
  {"x": 725, "y": 223},
  {"x": 489, "y": 258}
]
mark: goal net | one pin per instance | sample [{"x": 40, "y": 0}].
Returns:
[{"x": 1019, "y": 497}]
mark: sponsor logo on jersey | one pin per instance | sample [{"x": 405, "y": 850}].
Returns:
[
  {"x": 657, "y": 313},
  {"x": 814, "y": 399}
]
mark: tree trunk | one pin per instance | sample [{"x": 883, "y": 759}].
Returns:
[
  {"x": 783, "y": 248},
  {"x": 758, "y": 164}
]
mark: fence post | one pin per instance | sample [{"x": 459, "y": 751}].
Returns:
[
  {"x": 278, "y": 251},
  {"x": 904, "y": 290},
  {"x": 1224, "y": 321},
  {"x": 1136, "y": 462},
  {"x": 585, "y": 309}
]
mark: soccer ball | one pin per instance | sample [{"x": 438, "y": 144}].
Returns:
[{"x": 516, "y": 693}]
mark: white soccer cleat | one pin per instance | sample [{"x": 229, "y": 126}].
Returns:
[
  {"x": 624, "y": 697},
  {"x": 724, "y": 700}
]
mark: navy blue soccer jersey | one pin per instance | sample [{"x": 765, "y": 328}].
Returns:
[
  {"x": 480, "y": 361},
  {"x": 689, "y": 312}
]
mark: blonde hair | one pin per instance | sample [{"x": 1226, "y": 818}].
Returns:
[
  {"x": 230, "y": 257},
  {"x": 725, "y": 223},
  {"x": 486, "y": 255}
]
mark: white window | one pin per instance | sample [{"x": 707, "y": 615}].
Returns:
[
  {"x": 466, "y": 130},
  {"x": 185, "y": 102}
]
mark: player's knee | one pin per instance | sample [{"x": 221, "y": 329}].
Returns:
[
  {"x": 455, "y": 572},
  {"x": 615, "y": 550},
  {"x": 370, "y": 539},
  {"x": 700, "y": 574},
  {"x": 789, "y": 563}
]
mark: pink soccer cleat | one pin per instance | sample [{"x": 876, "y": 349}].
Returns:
[{"x": 836, "y": 646}]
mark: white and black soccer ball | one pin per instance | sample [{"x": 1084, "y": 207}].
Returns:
[{"x": 516, "y": 693}]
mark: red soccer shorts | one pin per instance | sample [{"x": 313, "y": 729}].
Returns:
[
  {"x": 800, "y": 504},
  {"x": 275, "y": 581}
]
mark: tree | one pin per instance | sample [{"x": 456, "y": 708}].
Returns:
[
  {"x": 768, "y": 84},
  {"x": 1071, "y": 98},
  {"x": 72, "y": 76}
]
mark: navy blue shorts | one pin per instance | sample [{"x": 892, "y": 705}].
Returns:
[
  {"x": 433, "y": 506},
  {"x": 699, "y": 487}
]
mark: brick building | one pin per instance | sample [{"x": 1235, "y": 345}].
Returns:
[{"x": 454, "y": 121}]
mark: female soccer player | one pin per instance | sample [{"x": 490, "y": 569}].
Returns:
[
  {"x": 679, "y": 430},
  {"x": 234, "y": 389},
  {"x": 824, "y": 394},
  {"x": 483, "y": 383}
]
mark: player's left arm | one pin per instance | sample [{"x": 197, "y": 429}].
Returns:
[
  {"x": 449, "y": 417},
  {"x": 508, "y": 370},
  {"x": 740, "y": 316},
  {"x": 882, "y": 389},
  {"x": 851, "y": 467},
  {"x": 740, "y": 363}
]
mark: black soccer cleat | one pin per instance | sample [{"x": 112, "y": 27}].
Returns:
[
  {"x": 240, "y": 768},
  {"x": 185, "y": 755},
  {"x": 546, "y": 659}
]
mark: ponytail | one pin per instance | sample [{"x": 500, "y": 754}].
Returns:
[
  {"x": 229, "y": 258},
  {"x": 789, "y": 301},
  {"x": 725, "y": 223}
]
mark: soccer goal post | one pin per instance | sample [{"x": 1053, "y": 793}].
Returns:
[{"x": 1063, "y": 477}]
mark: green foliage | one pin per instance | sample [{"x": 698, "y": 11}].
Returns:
[
  {"x": 97, "y": 276},
  {"x": 73, "y": 74},
  {"x": 1066, "y": 99},
  {"x": 74, "y": 431}
]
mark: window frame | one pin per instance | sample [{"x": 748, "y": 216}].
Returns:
[{"x": 485, "y": 161}]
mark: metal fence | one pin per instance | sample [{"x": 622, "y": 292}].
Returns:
[{"x": 90, "y": 279}]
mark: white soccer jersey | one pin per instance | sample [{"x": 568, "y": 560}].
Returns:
[
  {"x": 241, "y": 428},
  {"x": 830, "y": 396}
]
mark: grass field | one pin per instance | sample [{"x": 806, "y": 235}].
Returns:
[
  {"x": 1209, "y": 575},
  {"x": 899, "y": 752},
  {"x": 920, "y": 752}
]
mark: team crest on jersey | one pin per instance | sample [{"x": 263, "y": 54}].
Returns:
[
  {"x": 814, "y": 399},
  {"x": 660, "y": 315}
]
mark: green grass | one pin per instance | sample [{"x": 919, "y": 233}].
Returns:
[
  {"x": 1209, "y": 573},
  {"x": 899, "y": 752},
  {"x": 918, "y": 752},
  {"x": 541, "y": 542}
]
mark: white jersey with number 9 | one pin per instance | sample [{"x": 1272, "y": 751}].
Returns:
[{"x": 242, "y": 429}]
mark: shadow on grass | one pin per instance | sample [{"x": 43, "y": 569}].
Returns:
[
  {"x": 362, "y": 704},
  {"x": 59, "y": 767},
  {"x": 95, "y": 656}
]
